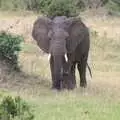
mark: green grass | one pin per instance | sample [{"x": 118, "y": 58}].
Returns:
[
  {"x": 77, "y": 109},
  {"x": 70, "y": 106}
]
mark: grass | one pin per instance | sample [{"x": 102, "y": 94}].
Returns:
[
  {"x": 100, "y": 101},
  {"x": 68, "y": 105},
  {"x": 78, "y": 109}
]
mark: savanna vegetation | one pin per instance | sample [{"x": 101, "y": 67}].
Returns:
[
  {"x": 36, "y": 101},
  {"x": 66, "y": 7}
]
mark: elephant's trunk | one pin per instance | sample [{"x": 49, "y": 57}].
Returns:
[{"x": 58, "y": 70}]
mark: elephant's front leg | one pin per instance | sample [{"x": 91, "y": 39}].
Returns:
[
  {"x": 56, "y": 72},
  {"x": 52, "y": 71},
  {"x": 69, "y": 81},
  {"x": 82, "y": 71}
]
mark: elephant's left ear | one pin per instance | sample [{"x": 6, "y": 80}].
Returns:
[{"x": 77, "y": 32}]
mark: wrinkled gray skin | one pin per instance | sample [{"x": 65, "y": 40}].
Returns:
[{"x": 62, "y": 36}]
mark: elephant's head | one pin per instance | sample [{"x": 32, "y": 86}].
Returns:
[{"x": 58, "y": 37}]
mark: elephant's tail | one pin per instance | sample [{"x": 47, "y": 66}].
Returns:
[{"x": 89, "y": 70}]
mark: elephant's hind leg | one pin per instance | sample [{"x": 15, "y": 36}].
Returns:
[
  {"x": 72, "y": 78},
  {"x": 82, "y": 71}
]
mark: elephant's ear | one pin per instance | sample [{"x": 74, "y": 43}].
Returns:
[
  {"x": 77, "y": 32},
  {"x": 40, "y": 31}
]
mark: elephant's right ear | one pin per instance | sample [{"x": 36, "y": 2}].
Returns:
[{"x": 40, "y": 31}]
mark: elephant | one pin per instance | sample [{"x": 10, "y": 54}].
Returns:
[{"x": 67, "y": 41}]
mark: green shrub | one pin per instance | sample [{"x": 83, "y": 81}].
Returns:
[
  {"x": 44, "y": 3},
  {"x": 34, "y": 5},
  {"x": 15, "y": 109},
  {"x": 12, "y": 4},
  {"x": 9, "y": 48},
  {"x": 114, "y": 7},
  {"x": 83, "y": 4},
  {"x": 80, "y": 4},
  {"x": 60, "y": 7}
]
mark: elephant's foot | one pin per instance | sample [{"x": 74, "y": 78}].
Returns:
[
  {"x": 56, "y": 85},
  {"x": 84, "y": 91},
  {"x": 68, "y": 83},
  {"x": 55, "y": 88},
  {"x": 72, "y": 86},
  {"x": 64, "y": 85},
  {"x": 83, "y": 84}
]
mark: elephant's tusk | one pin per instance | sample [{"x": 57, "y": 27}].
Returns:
[
  {"x": 49, "y": 56},
  {"x": 66, "y": 58}
]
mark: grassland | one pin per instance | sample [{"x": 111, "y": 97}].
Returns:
[{"x": 100, "y": 101}]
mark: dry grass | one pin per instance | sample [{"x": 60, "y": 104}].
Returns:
[{"x": 35, "y": 76}]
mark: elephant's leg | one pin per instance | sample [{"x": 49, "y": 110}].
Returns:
[
  {"x": 73, "y": 78},
  {"x": 52, "y": 71},
  {"x": 82, "y": 71},
  {"x": 69, "y": 81},
  {"x": 65, "y": 74},
  {"x": 70, "y": 78}
]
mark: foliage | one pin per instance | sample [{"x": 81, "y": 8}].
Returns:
[
  {"x": 10, "y": 48},
  {"x": 80, "y": 4},
  {"x": 11, "y": 4},
  {"x": 35, "y": 5},
  {"x": 15, "y": 109},
  {"x": 43, "y": 4},
  {"x": 60, "y": 7},
  {"x": 49, "y": 7},
  {"x": 113, "y": 7},
  {"x": 84, "y": 4}
]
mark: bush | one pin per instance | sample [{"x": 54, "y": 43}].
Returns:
[
  {"x": 83, "y": 4},
  {"x": 48, "y": 7},
  {"x": 114, "y": 7},
  {"x": 34, "y": 5},
  {"x": 45, "y": 5},
  {"x": 15, "y": 109},
  {"x": 60, "y": 7},
  {"x": 12, "y": 4},
  {"x": 9, "y": 48},
  {"x": 80, "y": 4}
]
